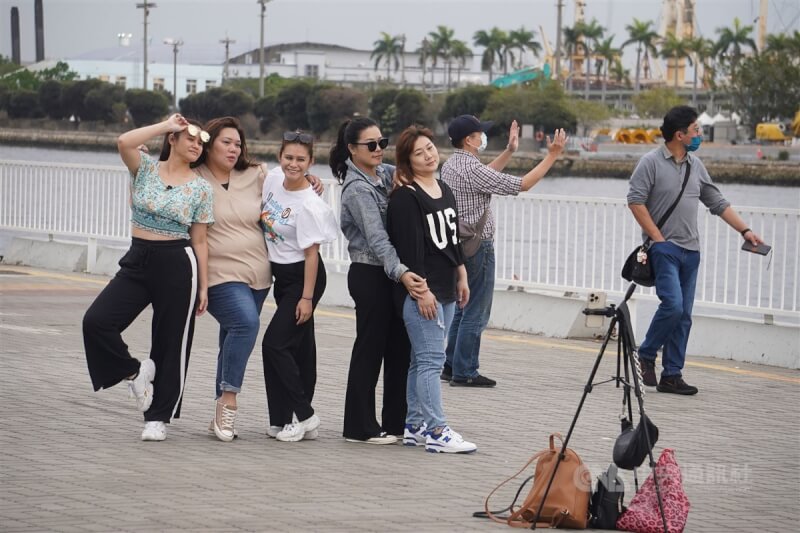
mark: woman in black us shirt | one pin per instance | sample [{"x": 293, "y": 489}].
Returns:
[{"x": 422, "y": 223}]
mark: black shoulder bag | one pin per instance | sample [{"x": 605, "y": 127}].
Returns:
[{"x": 637, "y": 267}]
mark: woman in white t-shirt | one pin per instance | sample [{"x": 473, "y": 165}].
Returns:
[{"x": 295, "y": 222}]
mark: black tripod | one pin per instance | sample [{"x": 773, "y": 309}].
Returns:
[{"x": 627, "y": 363}]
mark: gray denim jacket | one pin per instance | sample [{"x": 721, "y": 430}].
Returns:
[{"x": 363, "y": 219}]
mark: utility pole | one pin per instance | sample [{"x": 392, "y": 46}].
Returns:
[
  {"x": 146, "y": 7},
  {"x": 403, "y": 59},
  {"x": 261, "y": 49},
  {"x": 175, "y": 43},
  {"x": 227, "y": 42},
  {"x": 762, "y": 25},
  {"x": 560, "y": 6}
]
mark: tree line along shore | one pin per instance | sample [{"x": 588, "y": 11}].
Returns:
[{"x": 764, "y": 172}]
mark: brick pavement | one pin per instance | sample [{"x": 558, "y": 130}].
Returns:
[{"x": 72, "y": 459}]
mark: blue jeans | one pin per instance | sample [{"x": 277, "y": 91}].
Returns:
[
  {"x": 676, "y": 279},
  {"x": 237, "y": 308},
  {"x": 464, "y": 337},
  {"x": 424, "y": 391}
]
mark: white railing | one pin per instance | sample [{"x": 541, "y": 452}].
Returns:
[{"x": 570, "y": 244}]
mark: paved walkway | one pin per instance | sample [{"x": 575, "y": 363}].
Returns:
[{"x": 72, "y": 461}]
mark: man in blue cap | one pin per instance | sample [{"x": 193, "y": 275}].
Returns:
[{"x": 473, "y": 184}]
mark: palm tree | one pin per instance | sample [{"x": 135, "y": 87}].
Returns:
[
  {"x": 441, "y": 47},
  {"x": 731, "y": 40},
  {"x": 492, "y": 42},
  {"x": 523, "y": 40},
  {"x": 424, "y": 52},
  {"x": 387, "y": 49},
  {"x": 571, "y": 40},
  {"x": 607, "y": 53},
  {"x": 703, "y": 50},
  {"x": 459, "y": 52},
  {"x": 591, "y": 33},
  {"x": 644, "y": 37},
  {"x": 676, "y": 49}
]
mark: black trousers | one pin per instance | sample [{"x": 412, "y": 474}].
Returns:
[
  {"x": 380, "y": 337},
  {"x": 158, "y": 273},
  {"x": 289, "y": 351}
]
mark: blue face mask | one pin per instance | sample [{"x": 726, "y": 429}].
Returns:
[{"x": 695, "y": 144}]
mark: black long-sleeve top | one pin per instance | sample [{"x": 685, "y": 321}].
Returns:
[{"x": 424, "y": 231}]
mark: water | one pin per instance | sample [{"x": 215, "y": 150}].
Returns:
[{"x": 739, "y": 195}]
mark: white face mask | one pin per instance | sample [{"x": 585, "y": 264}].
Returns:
[{"x": 484, "y": 142}]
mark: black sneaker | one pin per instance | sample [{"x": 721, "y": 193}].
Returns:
[
  {"x": 477, "y": 381},
  {"x": 676, "y": 385},
  {"x": 648, "y": 372},
  {"x": 447, "y": 373}
]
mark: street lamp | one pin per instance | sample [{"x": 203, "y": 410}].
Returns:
[
  {"x": 175, "y": 43},
  {"x": 261, "y": 50},
  {"x": 146, "y": 7},
  {"x": 124, "y": 39}
]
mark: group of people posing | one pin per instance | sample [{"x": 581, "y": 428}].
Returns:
[{"x": 213, "y": 230}]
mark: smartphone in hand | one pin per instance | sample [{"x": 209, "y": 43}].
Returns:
[{"x": 761, "y": 249}]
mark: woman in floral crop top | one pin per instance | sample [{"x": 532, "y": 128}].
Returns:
[{"x": 166, "y": 267}]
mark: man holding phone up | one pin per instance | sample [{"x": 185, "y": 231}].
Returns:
[{"x": 655, "y": 184}]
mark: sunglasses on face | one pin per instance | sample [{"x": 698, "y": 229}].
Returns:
[
  {"x": 296, "y": 136},
  {"x": 383, "y": 142},
  {"x": 194, "y": 131}
]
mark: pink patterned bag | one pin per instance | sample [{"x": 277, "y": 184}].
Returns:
[{"x": 643, "y": 515}]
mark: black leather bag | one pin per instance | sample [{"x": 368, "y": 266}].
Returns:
[
  {"x": 637, "y": 267},
  {"x": 607, "y": 501},
  {"x": 631, "y": 447}
]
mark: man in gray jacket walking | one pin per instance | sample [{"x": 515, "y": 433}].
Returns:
[{"x": 674, "y": 253}]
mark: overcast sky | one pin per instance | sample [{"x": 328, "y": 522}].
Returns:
[{"x": 73, "y": 27}]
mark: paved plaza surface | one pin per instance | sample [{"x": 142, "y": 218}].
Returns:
[{"x": 72, "y": 460}]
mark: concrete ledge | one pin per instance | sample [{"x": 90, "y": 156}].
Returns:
[
  {"x": 551, "y": 314},
  {"x": 745, "y": 340}
]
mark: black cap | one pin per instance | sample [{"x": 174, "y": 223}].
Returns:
[{"x": 464, "y": 125}]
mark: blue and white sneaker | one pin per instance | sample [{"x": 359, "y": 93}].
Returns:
[
  {"x": 414, "y": 435},
  {"x": 447, "y": 441}
]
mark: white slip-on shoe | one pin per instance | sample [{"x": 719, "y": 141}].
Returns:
[
  {"x": 154, "y": 431},
  {"x": 141, "y": 387}
]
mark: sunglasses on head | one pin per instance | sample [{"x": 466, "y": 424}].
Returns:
[
  {"x": 296, "y": 136},
  {"x": 194, "y": 131},
  {"x": 383, "y": 142}
]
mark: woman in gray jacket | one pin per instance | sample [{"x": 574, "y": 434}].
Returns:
[{"x": 357, "y": 161}]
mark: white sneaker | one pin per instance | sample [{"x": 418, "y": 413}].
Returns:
[
  {"x": 154, "y": 431},
  {"x": 296, "y": 430},
  {"x": 382, "y": 438},
  {"x": 224, "y": 420},
  {"x": 311, "y": 435},
  {"x": 447, "y": 441},
  {"x": 414, "y": 435},
  {"x": 141, "y": 387}
]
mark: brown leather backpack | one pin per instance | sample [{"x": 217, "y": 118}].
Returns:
[{"x": 567, "y": 502}]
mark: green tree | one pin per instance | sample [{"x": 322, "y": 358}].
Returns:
[
  {"x": 523, "y": 41},
  {"x": 543, "y": 105},
  {"x": 492, "y": 43},
  {"x": 24, "y": 104},
  {"x": 644, "y": 37},
  {"x": 99, "y": 102},
  {"x": 442, "y": 47},
  {"x": 6, "y": 65},
  {"x": 606, "y": 52},
  {"x": 411, "y": 109},
  {"x": 146, "y": 107},
  {"x": 654, "y": 103},
  {"x": 460, "y": 52},
  {"x": 470, "y": 100},
  {"x": 591, "y": 33},
  {"x": 290, "y": 105},
  {"x": 589, "y": 114},
  {"x": 387, "y": 49},
  {"x": 380, "y": 101},
  {"x": 675, "y": 48},
  {"x": 731, "y": 42},
  {"x": 327, "y": 107},
  {"x": 264, "y": 109},
  {"x": 216, "y": 102},
  {"x": 50, "y": 99},
  {"x": 766, "y": 87},
  {"x": 702, "y": 51},
  {"x": 620, "y": 74},
  {"x": 73, "y": 97}
]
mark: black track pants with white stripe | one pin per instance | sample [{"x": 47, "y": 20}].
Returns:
[{"x": 161, "y": 273}]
